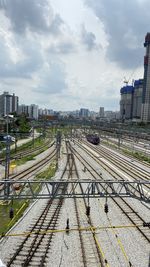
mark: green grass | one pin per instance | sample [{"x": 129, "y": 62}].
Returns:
[
  {"x": 137, "y": 155},
  {"x": 37, "y": 142},
  {"x": 109, "y": 144},
  {"x": 22, "y": 161},
  {"x": 48, "y": 173},
  {"x": 20, "y": 206}
]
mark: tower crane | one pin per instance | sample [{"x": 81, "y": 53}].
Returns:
[{"x": 127, "y": 81}]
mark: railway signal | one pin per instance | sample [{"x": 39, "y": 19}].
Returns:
[
  {"x": 146, "y": 224},
  {"x": 11, "y": 213},
  {"x": 106, "y": 208},
  {"x": 88, "y": 210},
  {"x": 84, "y": 169},
  {"x": 67, "y": 226}
]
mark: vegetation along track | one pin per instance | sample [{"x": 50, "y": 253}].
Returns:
[
  {"x": 117, "y": 167},
  {"x": 34, "y": 248},
  {"x": 132, "y": 158},
  {"x": 122, "y": 162},
  {"x": 129, "y": 143},
  {"x": 28, "y": 152},
  {"x": 27, "y": 173}
]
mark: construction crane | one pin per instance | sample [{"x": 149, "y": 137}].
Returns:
[{"x": 127, "y": 81}]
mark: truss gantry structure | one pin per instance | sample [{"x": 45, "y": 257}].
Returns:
[{"x": 28, "y": 189}]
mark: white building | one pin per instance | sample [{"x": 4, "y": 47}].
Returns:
[
  {"x": 33, "y": 111},
  {"x": 8, "y": 103},
  {"x": 30, "y": 111}
]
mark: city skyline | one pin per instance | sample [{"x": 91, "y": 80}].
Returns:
[
  {"x": 69, "y": 55},
  {"x": 9, "y": 103}
]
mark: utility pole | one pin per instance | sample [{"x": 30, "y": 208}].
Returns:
[
  {"x": 33, "y": 135},
  {"x": 119, "y": 137},
  {"x": 16, "y": 139},
  {"x": 8, "y": 140},
  {"x": 71, "y": 132},
  {"x": 58, "y": 143},
  {"x": 119, "y": 140},
  {"x": 7, "y": 162}
]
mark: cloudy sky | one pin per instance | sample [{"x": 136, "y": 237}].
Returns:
[{"x": 68, "y": 54}]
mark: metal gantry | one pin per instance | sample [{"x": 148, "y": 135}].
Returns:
[{"x": 90, "y": 189}]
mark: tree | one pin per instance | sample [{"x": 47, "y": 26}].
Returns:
[{"x": 22, "y": 123}]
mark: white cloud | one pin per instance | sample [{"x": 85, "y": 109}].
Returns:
[
  {"x": 66, "y": 55},
  {"x": 35, "y": 15},
  {"x": 125, "y": 23}
]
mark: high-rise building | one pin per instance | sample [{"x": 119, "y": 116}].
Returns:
[
  {"x": 126, "y": 102},
  {"x": 8, "y": 103},
  {"x": 83, "y": 113},
  {"x": 15, "y": 103},
  {"x": 101, "y": 112},
  {"x": 145, "y": 114},
  {"x": 137, "y": 99},
  {"x": 30, "y": 111},
  {"x": 33, "y": 111},
  {"x": 23, "y": 109}
]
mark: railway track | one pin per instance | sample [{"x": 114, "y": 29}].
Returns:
[
  {"x": 138, "y": 146},
  {"x": 123, "y": 207},
  {"x": 120, "y": 157},
  {"x": 133, "y": 216},
  {"x": 28, "y": 152},
  {"x": 131, "y": 148},
  {"x": 32, "y": 170},
  {"x": 118, "y": 168},
  {"x": 34, "y": 248},
  {"x": 91, "y": 254}
]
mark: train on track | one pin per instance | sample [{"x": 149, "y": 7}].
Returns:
[{"x": 93, "y": 138}]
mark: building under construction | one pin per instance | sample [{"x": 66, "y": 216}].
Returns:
[
  {"x": 135, "y": 100},
  {"x": 126, "y": 102}
]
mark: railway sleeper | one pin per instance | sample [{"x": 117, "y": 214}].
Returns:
[
  {"x": 17, "y": 263},
  {"x": 32, "y": 264},
  {"x": 24, "y": 252},
  {"x": 19, "y": 258},
  {"x": 42, "y": 250},
  {"x": 39, "y": 227},
  {"x": 51, "y": 227},
  {"x": 38, "y": 255}
]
